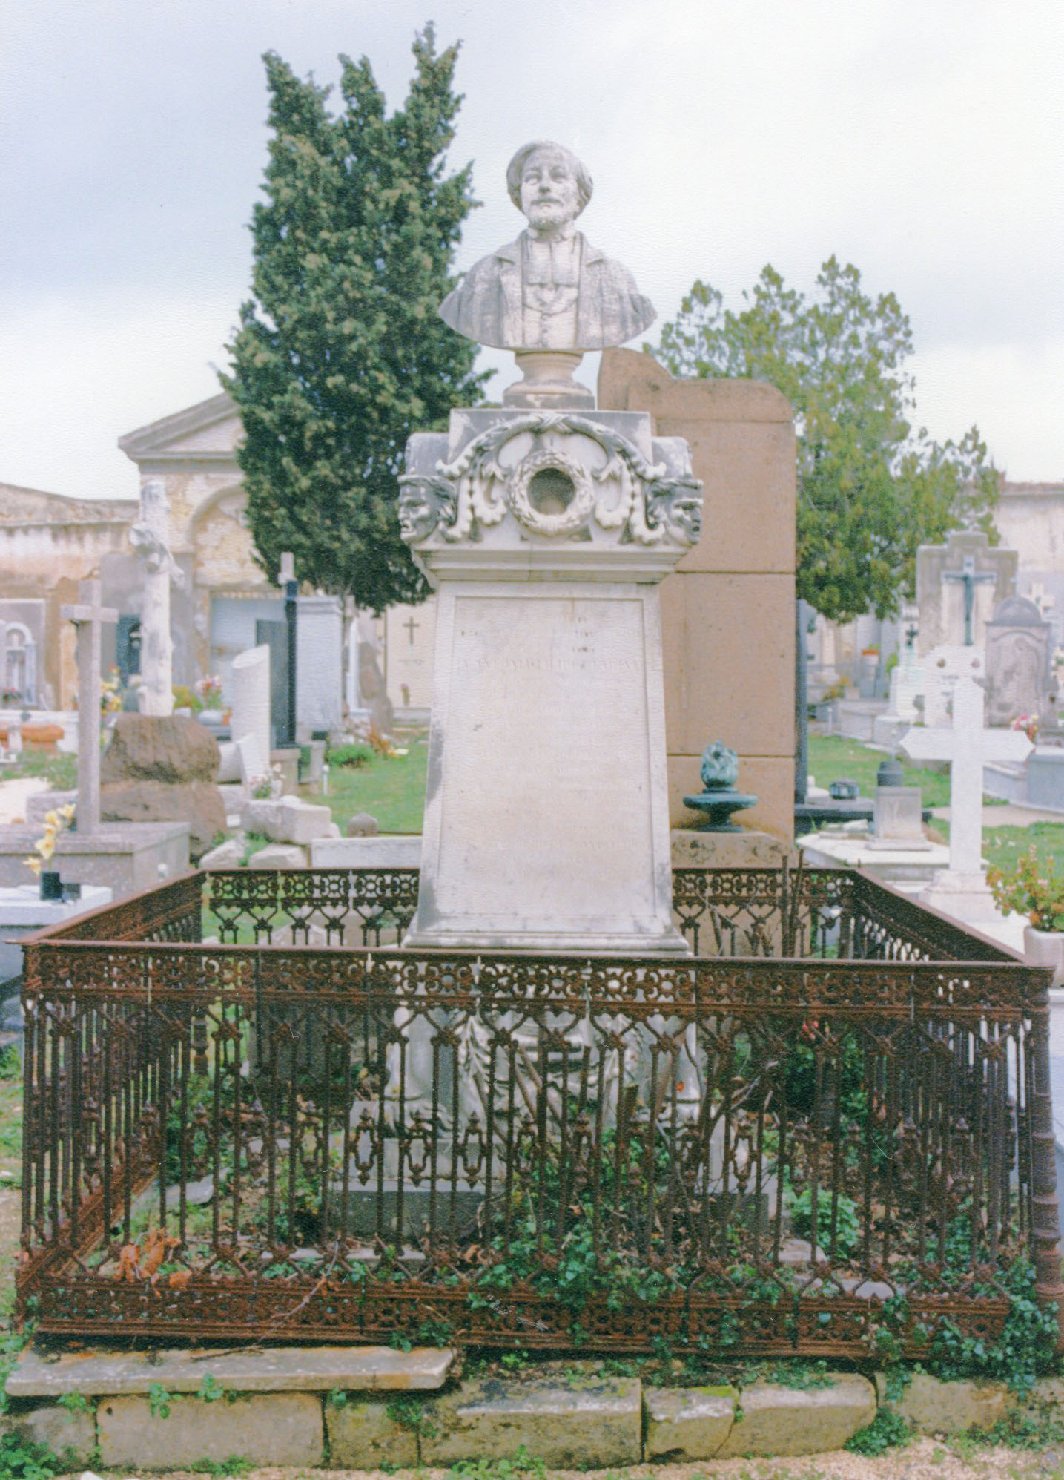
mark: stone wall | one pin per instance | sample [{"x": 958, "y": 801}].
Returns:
[
  {"x": 48, "y": 544},
  {"x": 728, "y": 611}
]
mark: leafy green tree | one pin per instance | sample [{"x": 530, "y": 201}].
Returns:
[
  {"x": 871, "y": 488},
  {"x": 340, "y": 354}
]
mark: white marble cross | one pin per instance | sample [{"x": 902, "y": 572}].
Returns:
[
  {"x": 967, "y": 745},
  {"x": 89, "y": 617}
]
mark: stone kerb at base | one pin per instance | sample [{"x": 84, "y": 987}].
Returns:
[{"x": 547, "y": 534}]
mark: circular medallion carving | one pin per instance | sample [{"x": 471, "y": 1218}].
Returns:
[{"x": 550, "y": 493}]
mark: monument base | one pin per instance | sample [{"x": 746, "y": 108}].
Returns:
[
  {"x": 580, "y": 942},
  {"x": 964, "y": 897}
]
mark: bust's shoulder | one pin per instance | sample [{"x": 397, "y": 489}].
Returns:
[
  {"x": 496, "y": 261},
  {"x": 607, "y": 267}
]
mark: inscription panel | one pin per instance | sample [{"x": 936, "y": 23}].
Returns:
[{"x": 546, "y": 778}]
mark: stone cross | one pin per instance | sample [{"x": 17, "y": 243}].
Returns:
[
  {"x": 969, "y": 577},
  {"x": 89, "y": 617},
  {"x": 967, "y": 746}
]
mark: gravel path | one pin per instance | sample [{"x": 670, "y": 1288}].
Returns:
[
  {"x": 13, "y": 794},
  {"x": 924, "y": 1459}
]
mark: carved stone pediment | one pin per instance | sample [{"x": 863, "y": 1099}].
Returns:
[{"x": 550, "y": 477}]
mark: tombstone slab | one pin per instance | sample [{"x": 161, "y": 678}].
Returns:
[
  {"x": 957, "y": 586},
  {"x": 943, "y": 666},
  {"x": 319, "y": 665},
  {"x": 1019, "y": 668},
  {"x": 250, "y": 722}
]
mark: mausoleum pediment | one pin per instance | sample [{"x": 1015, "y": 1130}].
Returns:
[{"x": 207, "y": 432}]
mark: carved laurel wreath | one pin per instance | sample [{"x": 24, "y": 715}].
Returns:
[{"x": 627, "y": 492}]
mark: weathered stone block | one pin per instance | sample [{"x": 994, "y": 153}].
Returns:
[
  {"x": 279, "y": 855},
  {"x": 271, "y": 1429},
  {"x": 287, "y": 819},
  {"x": 935, "y": 1407},
  {"x": 199, "y": 803},
  {"x": 780, "y": 1420},
  {"x": 587, "y": 1427},
  {"x": 276, "y": 1369},
  {"x": 227, "y": 855},
  {"x": 687, "y": 1423},
  {"x": 363, "y": 825},
  {"x": 152, "y": 748},
  {"x": 62, "y": 1431},
  {"x": 361, "y": 1436}
]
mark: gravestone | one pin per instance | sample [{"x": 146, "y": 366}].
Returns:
[
  {"x": 273, "y": 636},
  {"x": 1019, "y": 670},
  {"x": 905, "y": 700},
  {"x": 942, "y": 668},
  {"x": 319, "y": 669},
  {"x": 372, "y": 691},
  {"x": 250, "y": 721},
  {"x": 957, "y": 586},
  {"x": 961, "y": 890}
]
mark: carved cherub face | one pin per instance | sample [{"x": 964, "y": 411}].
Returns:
[{"x": 550, "y": 193}]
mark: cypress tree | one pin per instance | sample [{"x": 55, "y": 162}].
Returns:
[{"x": 340, "y": 354}]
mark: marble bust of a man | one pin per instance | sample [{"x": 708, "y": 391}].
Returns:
[{"x": 550, "y": 289}]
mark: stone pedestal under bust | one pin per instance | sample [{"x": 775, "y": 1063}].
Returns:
[{"x": 546, "y": 535}]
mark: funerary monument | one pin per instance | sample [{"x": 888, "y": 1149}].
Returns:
[{"x": 546, "y": 528}]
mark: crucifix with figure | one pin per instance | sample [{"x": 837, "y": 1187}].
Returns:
[
  {"x": 967, "y": 746},
  {"x": 969, "y": 577},
  {"x": 90, "y": 617}
]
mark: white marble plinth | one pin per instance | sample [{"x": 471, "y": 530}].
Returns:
[
  {"x": 546, "y": 824},
  {"x": 387, "y": 850},
  {"x": 250, "y": 678},
  {"x": 963, "y": 896},
  {"x": 319, "y": 664}
]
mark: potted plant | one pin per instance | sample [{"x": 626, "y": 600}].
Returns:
[
  {"x": 1033, "y": 888},
  {"x": 209, "y": 689}
]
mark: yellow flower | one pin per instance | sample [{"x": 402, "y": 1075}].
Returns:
[
  {"x": 68, "y": 811},
  {"x": 33, "y": 864},
  {"x": 51, "y": 819},
  {"x": 45, "y": 846}
]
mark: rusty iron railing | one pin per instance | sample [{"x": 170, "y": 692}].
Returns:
[{"x": 829, "y": 1125}]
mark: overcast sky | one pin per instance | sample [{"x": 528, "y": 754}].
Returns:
[{"x": 922, "y": 140}]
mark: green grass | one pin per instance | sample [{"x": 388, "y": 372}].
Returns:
[
  {"x": 10, "y": 1116},
  {"x": 58, "y": 769},
  {"x": 391, "y": 789},
  {"x": 832, "y": 757},
  {"x": 1003, "y": 845}
]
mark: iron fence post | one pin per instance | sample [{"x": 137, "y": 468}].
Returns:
[{"x": 1045, "y": 1219}]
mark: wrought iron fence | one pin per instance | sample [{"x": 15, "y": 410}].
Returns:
[{"x": 827, "y": 1130}]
